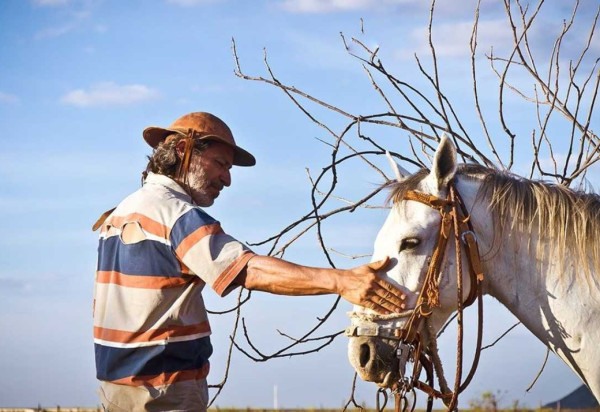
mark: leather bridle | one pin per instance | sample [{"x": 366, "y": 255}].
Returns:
[{"x": 455, "y": 222}]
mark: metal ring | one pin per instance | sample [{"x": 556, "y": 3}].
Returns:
[
  {"x": 462, "y": 236},
  {"x": 381, "y": 408}
]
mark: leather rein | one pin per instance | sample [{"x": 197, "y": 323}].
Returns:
[{"x": 422, "y": 350}]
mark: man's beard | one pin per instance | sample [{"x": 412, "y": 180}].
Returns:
[{"x": 198, "y": 185}]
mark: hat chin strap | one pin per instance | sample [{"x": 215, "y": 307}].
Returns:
[{"x": 184, "y": 166}]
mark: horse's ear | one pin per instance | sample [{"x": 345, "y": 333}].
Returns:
[
  {"x": 399, "y": 171},
  {"x": 444, "y": 163}
]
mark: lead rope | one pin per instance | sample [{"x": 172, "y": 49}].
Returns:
[
  {"x": 436, "y": 360},
  {"x": 476, "y": 276},
  {"x": 459, "y": 298},
  {"x": 402, "y": 403}
]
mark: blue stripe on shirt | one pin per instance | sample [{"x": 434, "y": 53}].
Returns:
[
  {"x": 188, "y": 223},
  {"x": 148, "y": 257},
  {"x": 118, "y": 363}
]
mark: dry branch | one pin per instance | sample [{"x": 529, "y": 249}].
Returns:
[{"x": 560, "y": 91}]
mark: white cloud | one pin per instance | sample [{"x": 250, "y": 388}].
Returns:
[
  {"x": 75, "y": 14},
  {"x": 55, "y": 31},
  {"x": 191, "y": 3},
  {"x": 453, "y": 39},
  {"x": 109, "y": 94},
  {"x": 317, "y": 52},
  {"x": 8, "y": 98},
  {"x": 100, "y": 28},
  {"x": 50, "y": 3},
  {"x": 328, "y": 6}
]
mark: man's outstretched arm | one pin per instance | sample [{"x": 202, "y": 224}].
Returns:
[{"x": 360, "y": 285}]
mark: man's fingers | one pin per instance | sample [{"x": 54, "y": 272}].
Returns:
[
  {"x": 389, "y": 291},
  {"x": 392, "y": 301},
  {"x": 378, "y": 308},
  {"x": 389, "y": 287},
  {"x": 383, "y": 301},
  {"x": 381, "y": 305}
]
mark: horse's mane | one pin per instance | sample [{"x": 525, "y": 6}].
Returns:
[{"x": 571, "y": 219}]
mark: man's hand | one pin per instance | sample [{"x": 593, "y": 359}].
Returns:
[{"x": 363, "y": 286}]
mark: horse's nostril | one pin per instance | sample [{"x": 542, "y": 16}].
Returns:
[{"x": 365, "y": 355}]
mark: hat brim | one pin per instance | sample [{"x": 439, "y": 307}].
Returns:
[{"x": 154, "y": 135}]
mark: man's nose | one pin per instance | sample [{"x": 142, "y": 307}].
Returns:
[{"x": 226, "y": 178}]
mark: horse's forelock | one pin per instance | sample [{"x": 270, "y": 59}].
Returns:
[{"x": 399, "y": 188}]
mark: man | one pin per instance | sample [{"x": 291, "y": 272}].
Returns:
[{"x": 158, "y": 249}]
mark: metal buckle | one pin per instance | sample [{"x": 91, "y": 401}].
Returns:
[{"x": 374, "y": 330}]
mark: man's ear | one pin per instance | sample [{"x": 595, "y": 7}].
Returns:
[{"x": 180, "y": 148}]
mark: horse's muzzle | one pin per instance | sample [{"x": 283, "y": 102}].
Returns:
[{"x": 374, "y": 359}]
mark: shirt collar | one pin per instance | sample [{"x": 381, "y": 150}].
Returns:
[{"x": 162, "y": 180}]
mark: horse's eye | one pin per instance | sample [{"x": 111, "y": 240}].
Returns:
[{"x": 409, "y": 243}]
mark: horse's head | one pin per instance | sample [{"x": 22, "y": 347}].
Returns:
[{"x": 380, "y": 345}]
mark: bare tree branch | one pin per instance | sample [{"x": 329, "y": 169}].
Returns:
[{"x": 557, "y": 82}]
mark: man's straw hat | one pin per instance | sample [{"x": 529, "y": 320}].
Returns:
[{"x": 200, "y": 126}]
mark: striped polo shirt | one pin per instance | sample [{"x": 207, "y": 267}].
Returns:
[{"x": 150, "y": 324}]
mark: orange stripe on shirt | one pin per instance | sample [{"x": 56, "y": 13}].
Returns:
[
  {"x": 166, "y": 378},
  {"x": 231, "y": 272},
  {"x": 143, "y": 282},
  {"x": 149, "y": 225},
  {"x": 151, "y": 335},
  {"x": 196, "y": 236},
  {"x": 184, "y": 269}
]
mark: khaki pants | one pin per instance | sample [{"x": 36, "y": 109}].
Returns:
[{"x": 181, "y": 397}]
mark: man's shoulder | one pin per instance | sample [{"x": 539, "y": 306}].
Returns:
[
  {"x": 157, "y": 202},
  {"x": 196, "y": 217}
]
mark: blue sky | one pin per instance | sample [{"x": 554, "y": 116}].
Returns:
[{"x": 80, "y": 79}]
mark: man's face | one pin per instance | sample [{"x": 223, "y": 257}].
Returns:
[{"x": 209, "y": 173}]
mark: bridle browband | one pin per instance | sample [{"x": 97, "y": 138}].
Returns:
[{"x": 455, "y": 221}]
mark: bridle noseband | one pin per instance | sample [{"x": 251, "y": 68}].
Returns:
[{"x": 455, "y": 222}]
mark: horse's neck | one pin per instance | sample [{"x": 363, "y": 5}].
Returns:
[{"x": 553, "y": 301}]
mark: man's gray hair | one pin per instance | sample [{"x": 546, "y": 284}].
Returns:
[{"x": 164, "y": 160}]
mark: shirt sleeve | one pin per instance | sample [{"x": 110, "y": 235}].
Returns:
[{"x": 207, "y": 251}]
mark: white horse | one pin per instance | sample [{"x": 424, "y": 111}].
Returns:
[{"x": 540, "y": 257}]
